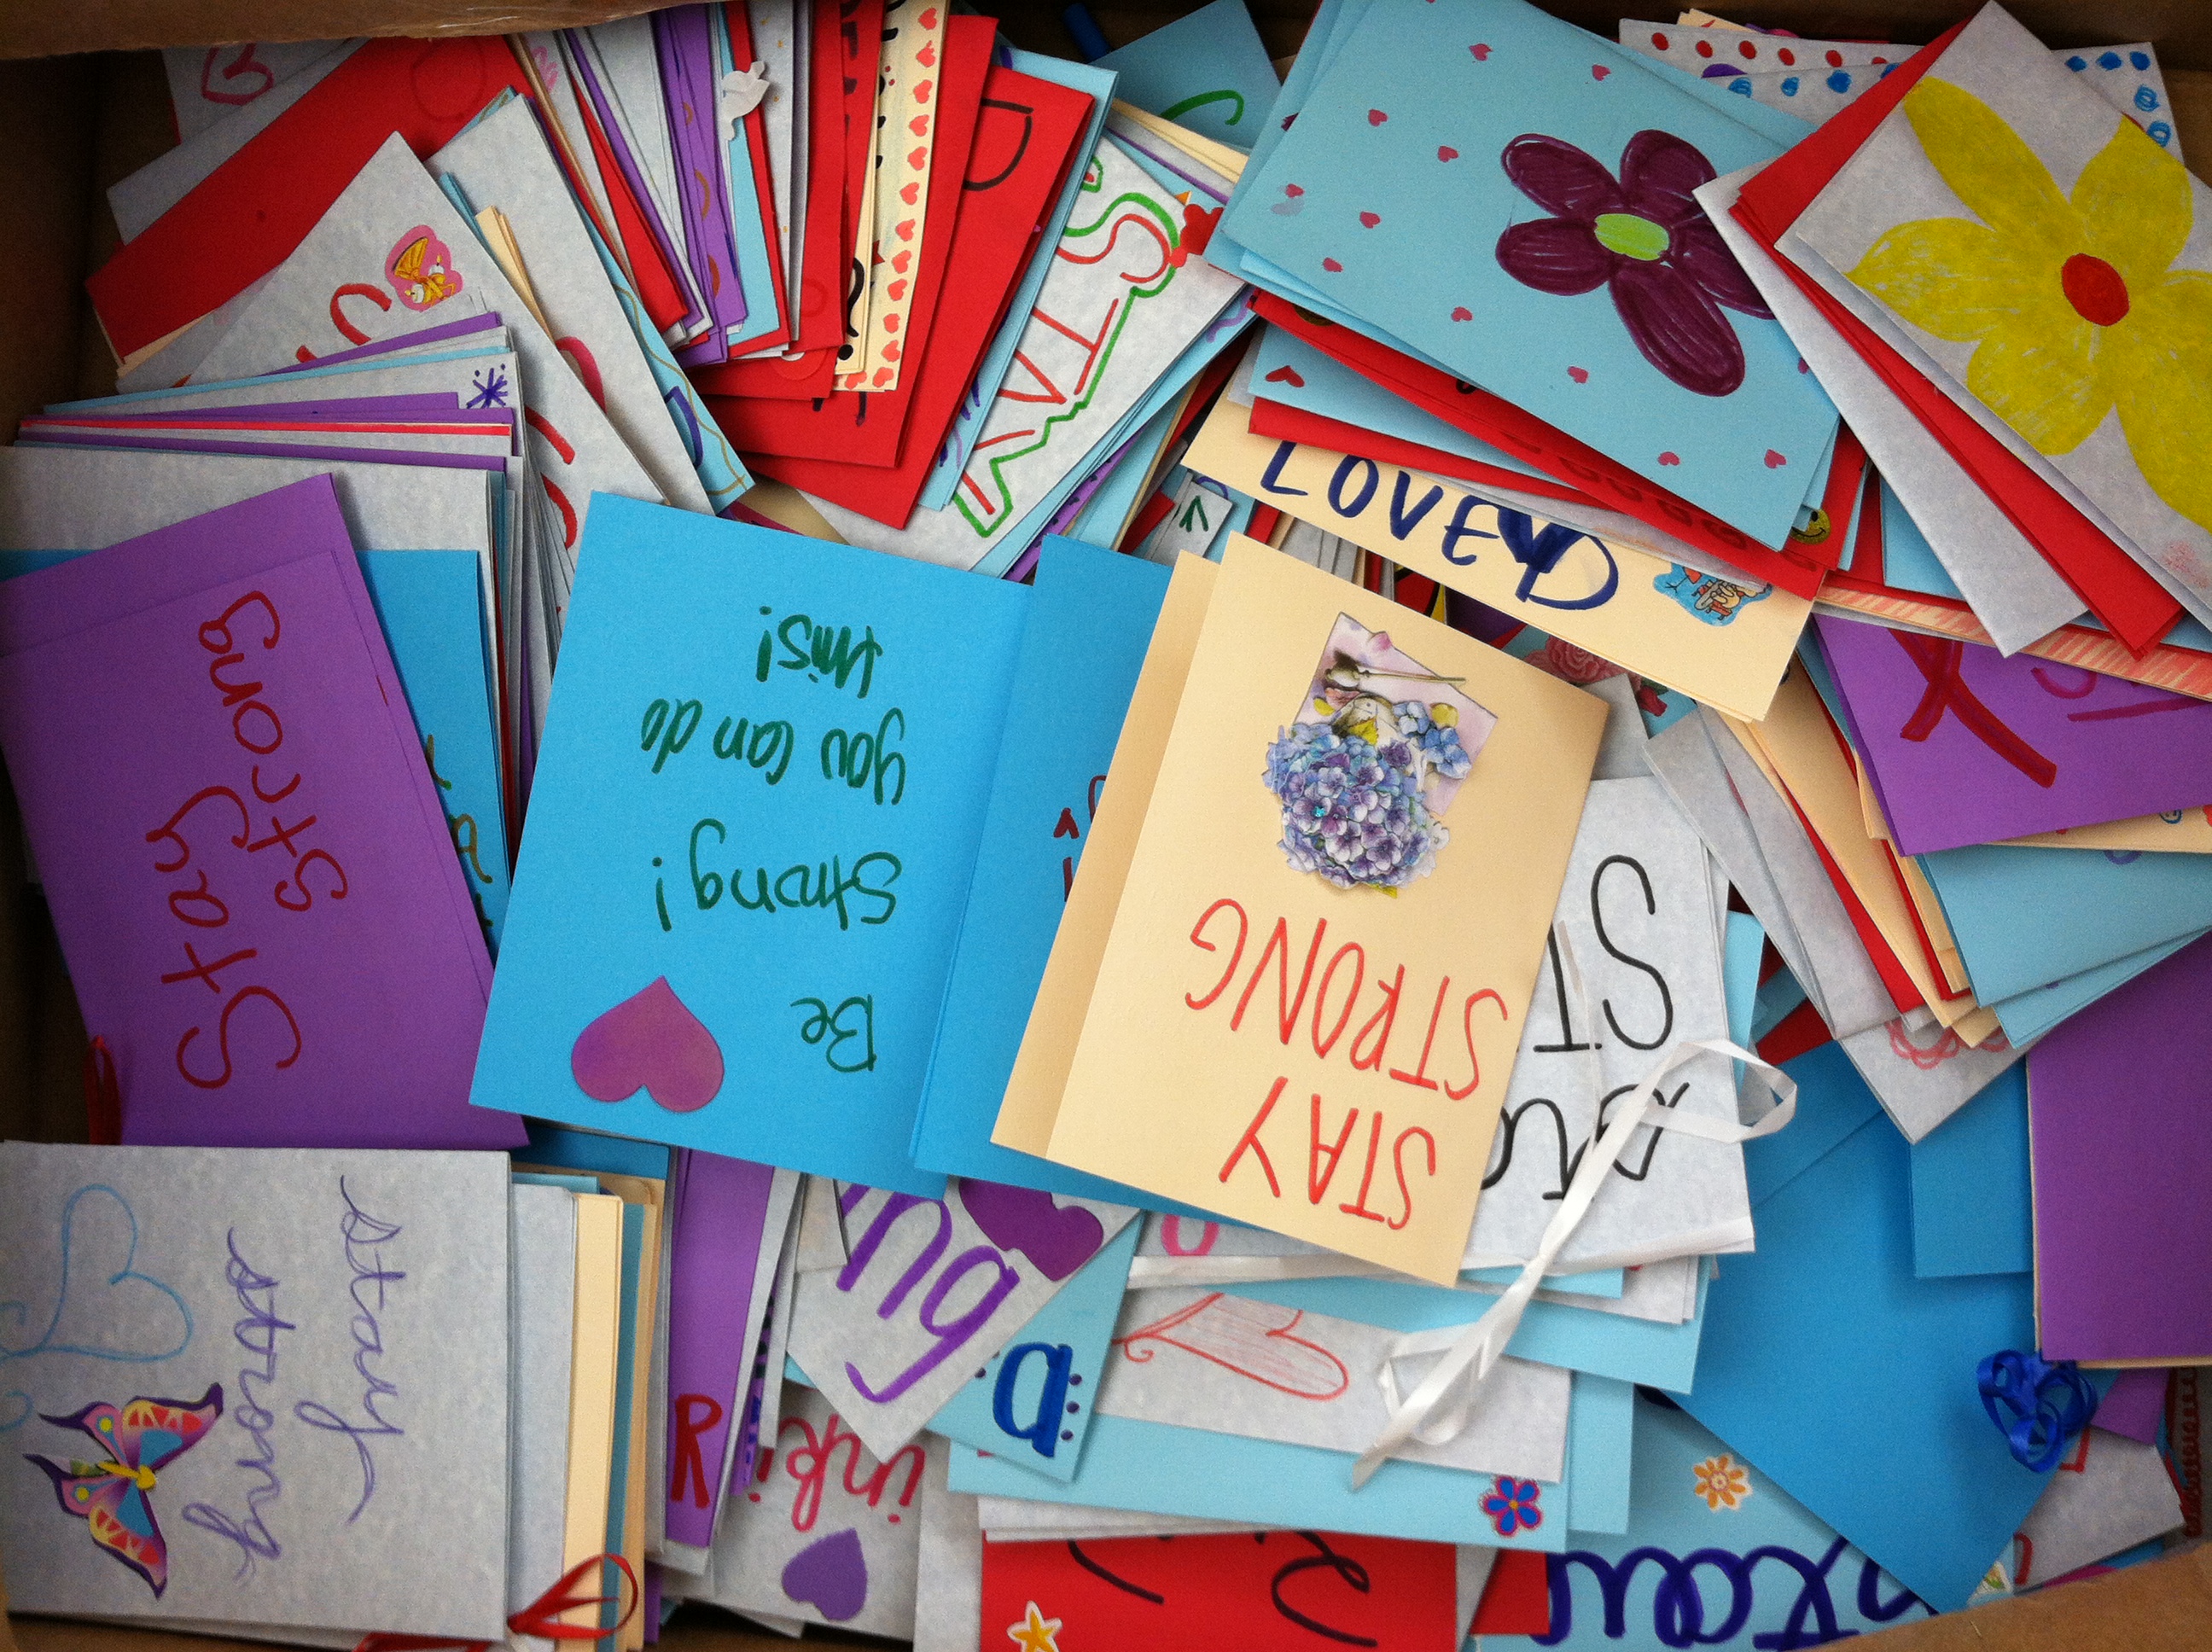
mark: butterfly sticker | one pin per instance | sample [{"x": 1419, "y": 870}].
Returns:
[
  {"x": 420, "y": 269},
  {"x": 110, "y": 1493}
]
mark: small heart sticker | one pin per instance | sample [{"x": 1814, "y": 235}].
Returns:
[
  {"x": 1286, "y": 374},
  {"x": 1580, "y": 375},
  {"x": 1774, "y": 460},
  {"x": 1376, "y": 116},
  {"x": 1370, "y": 219},
  {"x": 1462, "y": 313},
  {"x": 651, "y": 1041},
  {"x": 1670, "y": 459},
  {"x": 1332, "y": 266},
  {"x": 1599, "y": 71},
  {"x": 1481, "y": 54},
  {"x": 1293, "y": 191},
  {"x": 1445, "y": 152}
]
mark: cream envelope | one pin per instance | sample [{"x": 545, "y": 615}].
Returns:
[{"x": 1344, "y": 878}]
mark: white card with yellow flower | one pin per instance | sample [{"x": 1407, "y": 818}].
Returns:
[{"x": 2052, "y": 267}]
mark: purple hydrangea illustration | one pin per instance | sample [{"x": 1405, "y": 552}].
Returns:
[
  {"x": 1645, "y": 239},
  {"x": 1352, "y": 792}
]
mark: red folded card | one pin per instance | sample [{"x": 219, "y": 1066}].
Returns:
[
  {"x": 1531, "y": 441},
  {"x": 862, "y": 426},
  {"x": 2131, "y": 604},
  {"x": 1259, "y": 1592},
  {"x": 1025, "y": 141}
]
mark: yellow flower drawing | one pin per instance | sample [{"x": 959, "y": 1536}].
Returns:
[
  {"x": 2072, "y": 303},
  {"x": 1721, "y": 1481}
]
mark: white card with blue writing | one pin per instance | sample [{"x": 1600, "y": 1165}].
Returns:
[
  {"x": 256, "y": 1386},
  {"x": 934, "y": 1287},
  {"x": 1031, "y": 1403},
  {"x": 1636, "y": 910}
]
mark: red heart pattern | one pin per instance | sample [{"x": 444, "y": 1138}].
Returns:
[
  {"x": 1462, "y": 313},
  {"x": 1580, "y": 375},
  {"x": 909, "y": 192},
  {"x": 1332, "y": 266},
  {"x": 1670, "y": 459},
  {"x": 919, "y": 125},
  {"x": 1287, "y": 375},
  {"x": 1599, "y": 71},
  {"x": 1445, "y": 152},
  {"x": 1376, "y": 116},
  {"x": 1481, "y": 54},
  {"x": 1774, "y": 460},
  {"x": 1370, "y": 219}
]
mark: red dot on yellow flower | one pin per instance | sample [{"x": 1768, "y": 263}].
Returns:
[{"x": 2094, "y": 289}]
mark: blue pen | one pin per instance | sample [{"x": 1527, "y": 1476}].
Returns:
[{"x": 1083, "y": 29}]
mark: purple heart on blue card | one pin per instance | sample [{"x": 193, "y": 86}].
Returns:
[
  {"x": 1056, "y": 1239},
  {"x": 831, "y": 1575}
]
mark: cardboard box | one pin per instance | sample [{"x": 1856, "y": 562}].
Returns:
[{"x": 84, "y": 103}]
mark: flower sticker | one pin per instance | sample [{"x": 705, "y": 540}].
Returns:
[
  {"x": 1715, "y": 601},
  {"x": 1511, "y": 1505},
  {"x": 420, "y": 269},
  {"x": 1365, "y": 775},
  {"x": 2072, "y": 302},
  {"x": 1721, "y": 1481},
  {"x": 1645, "y": 238}
]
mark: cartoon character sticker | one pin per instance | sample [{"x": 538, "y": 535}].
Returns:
[
  {"x": 110, "y": 1493},
  {"x": 1717, "y": 602},
  {"x": 1376, "y": 755},
  {"x": 420, "y": 269}
]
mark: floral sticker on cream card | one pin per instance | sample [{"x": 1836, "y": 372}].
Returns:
[
  {"x": 1372, "y": 761},
  {"x": 2052, "y": 265}
]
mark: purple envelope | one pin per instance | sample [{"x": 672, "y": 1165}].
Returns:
[
  {"x": 683, "y": 42},
  {"x": 1967, "y": 746},
  {"x": 2122, "y": 1139},
  {"x": 243, "y": 852}
]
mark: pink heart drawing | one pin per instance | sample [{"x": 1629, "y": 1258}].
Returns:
[
  {"x": 649, "y": 1041},
  {"x": 1445, "y": 152},
  {"x": 831, "y": 1575},
  {"x": 1285, "y": 374},
  {"x": 1252, "y": 1338},
  {"x": 1057, "y": 1242},
  {"x": 1370, "y": 219},
  {"x": 1460, "y": 313},
  {"x": 1332, "y": 266},
  {"x": 1599, "y": 71},
  {"x": 1481, "y": 54},
  {"x": 1376, "y": 116},
  {"x": 1670, "y": 459},
  {"x": 1774, "y": 460},
  {"x": 1580, "y": 375}
]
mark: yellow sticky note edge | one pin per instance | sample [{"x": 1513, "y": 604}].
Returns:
[
  {"x": 1192, "y": 1049},
  {"x": 1452, "y": 535},
  {"x": 591, "y": 1384},
  {"x": 1040, "y": 1075},
  {"x": 507, "y": 253}
]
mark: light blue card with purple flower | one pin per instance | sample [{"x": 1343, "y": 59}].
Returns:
[{"x": 1504, "y": 193}]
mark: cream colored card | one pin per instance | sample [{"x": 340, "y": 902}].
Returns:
[
  {"x": 592, "y": 1384},
  {"x": 1314, "y": 984},
  {"x": 1040, "y": 1075},
  {"x": 906, "y": 140},
  {"x": 1724, "y": 644}
]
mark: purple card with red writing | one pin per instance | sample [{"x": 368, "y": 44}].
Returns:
[
  {"x": 1965, "y": 746},
  {"x": 240, "y": 842}
]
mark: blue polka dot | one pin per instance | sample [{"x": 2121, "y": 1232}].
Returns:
[
  {"x": 1839, "y": 81},
  {"x": 2109, "y": 60},
  {"x": 2140, "y": 60},
  {"x": 1743, "y": 87},
  {"x": 2146, "y": 100},
  {"x": 2077, "y": 65},
  {"x": 2162, "y": 132},
  {"x": 1886, "y": 68},
  {"x": 1790, "y": 85}
]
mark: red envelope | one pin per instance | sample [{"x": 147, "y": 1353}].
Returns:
[
  {"x": 1529, "y": 439},
  {"x": 848, "y": 55},
  {"x": 1259, "y": 1592},
  {"x": 1025, "y": 140},
  {"x": 863, "y": 427},
  {"x": 245, "y": 219},
  {"x": 1288, "y": 423},
  {"x": 2132, "y": 604}
]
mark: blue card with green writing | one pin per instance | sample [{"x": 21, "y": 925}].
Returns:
[
  {"x": 1091, "y": 619},
  {"x": 751, "y": 838},
  {"x": 1207, "y": 71}
]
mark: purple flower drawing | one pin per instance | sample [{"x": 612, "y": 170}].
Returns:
[{"x": 1645, "y": 239}]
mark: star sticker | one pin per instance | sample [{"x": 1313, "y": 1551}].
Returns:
[{"x": 1036, "y": 1632}]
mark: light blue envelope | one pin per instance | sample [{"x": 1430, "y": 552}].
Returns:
[
  {"x": 2024, "y": 918},
  {"x": 1821, "y": 1348},
  {"x": 1832, "y": 1103},
  {"x": 2026, "y": 1016},
  {"x": 1716, "y": 1554},
  {"x": 1160, "y": 1468},
  {"x": 1031, "y": 1403},
  {"x": 1090, "y": 622},
  {"x": 1973, "y": 1202},
  {"x": 1207, "y": 70},
  {"x": 586, "y": 1149},
  {"x": 750, "y": 840},
  {"x": 991, "y": 372},
  {"x": 1740, "y": 962},
  {"x": 1585, "y": 1340},
  {"x": 1393, "y": 175},
  {"x": 431, "y": 605}
]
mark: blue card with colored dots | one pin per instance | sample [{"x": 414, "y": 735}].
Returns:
[
  {"x": 1504, "y": 193},
  {"x": 752, "y": 836},
  {"x": 1207, "y": 71},
  {"x": 1030, "y": 1402}
]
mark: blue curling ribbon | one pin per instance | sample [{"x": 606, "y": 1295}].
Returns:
[{"x": 2043, "y": 1404}]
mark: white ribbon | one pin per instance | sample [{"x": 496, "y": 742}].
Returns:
[{"x": 1471, "y": 1352}]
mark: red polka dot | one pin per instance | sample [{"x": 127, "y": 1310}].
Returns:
[
  {"x": 1788, "y": 57},
  {"x": 1704, "y": 48},
  {"x": 1835, "y": 60},
  {"x": 1747, "y": 50},
  {"x": 1659, "y": 41}
]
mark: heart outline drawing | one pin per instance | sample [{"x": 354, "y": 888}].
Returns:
[{"x": 1250, "y": 1338}]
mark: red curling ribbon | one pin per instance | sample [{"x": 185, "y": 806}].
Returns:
[{"x": 541, "y": 1618}]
